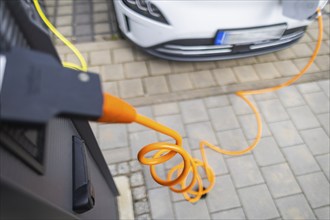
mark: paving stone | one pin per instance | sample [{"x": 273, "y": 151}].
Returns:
[
  {"x": 318, "y": 102},
  {"x": 141, "y": 207},
  {"x": 72, "y": 58},
  {"x": 302, "y": 50},
  {"x": 113, "y": 169},
  {"x": 117, "y": 155},
  {"x": 166, "y": 109},
  {"x": 122, "y": 55},
  {"x": 177, "y": 158},
  {"x": 160, "y": 204},
  {"x": 303, "y": 117},
  {"x": 81, "y": 20},
  {"x": 317, "y": 140},
  {"x": 158, "y": 67},
  {"x": 110, "y": 87},
  {"x": 273, "y": 111},
  {"x": 141, "y": 139},
  {"x": 136, "y": 69},
  {"x": 180, "y": 82},
  {"x": 232, "y": 140},
  {"x": 187, "y": 210},
  {"x": 224, "y": 76},
  {"x": 135, "y": 165},
  {"x": 247, "y": 61},
  {"x": 112, "y": 72},
  {"x": 285, "y": 133},
  {"x": 257, "y": 202},
  {"x": 324, "y": 119},
  {"x": 193, "y": 111},
  {"x": 125, "y": 203},
  {"x": 223, "y": 196},
  {"x": 100, "y": 17},
  {"x": 146, "y": 111},
  {"x": 205, "y": 65},
  {"x": 143, "y": 217},
  {"x": 100, "y": 57},
  {"x": 244, "y": 171},
  {"x": 200, "y": 131},
  {"x": 65, "y": 30},
  {"x": 265, "y": 96},
  {"x": 245, "y": 73},
  {"x": 267, "y": 152},
  {"x": 64, "y": 10},
  {"x": 172, "y": 121},
  {"x": 223, "y": 118},
  {"x": 324, "y": 162},
  {"x": 123, "y": 168},
  {"x": 215, "y": 160},
  {"x": 139, "y": 193},
  {"x": 267, "y": 58},
  {"x": 100, "y": 7},
  {"x": 150, "y": 182},
  {"x": 325, "y": 85},
  {"x": 180, "y": 67},
  {"x": 316, "y": 189},
  {"x": 239, "y": 105},
  {"x": 64, "y": 20},
  {"x": 295, "y": 207},
  {"x": 305, "y": 39},
  {"x": 250, "y": 128},
  {"x": 156, "y": 85},
  {"x": 82, "y": 8},
  {"x": 113, "y": 136},
  {"x": 230, "y": 214},
  {"x": 290, "y": 97},
  {"x": 301, "y": 63},
  {"x": 286, "y": 68},
  {"x": 323, "y": 62},
  {"x": 141, "y": 55},
  {"x": 301, "y": 160},
  {"x": 280, "y": 180},
  {"x": 323, "y": 213},
  {"x": 266, "y": 71},
  {"x": 226, "y": 63},
  {"x": 101, "y": 28},
  {"x": 216, "y": 101},
  {"x": 286, "y": 54},
  {"x": 137, "y": 179},
  {"x": 202, "y": 79},
  {"x": 308, "y": 87},
  {"x": 130, "y": 88},
  {"x": 313, "y": 33}
]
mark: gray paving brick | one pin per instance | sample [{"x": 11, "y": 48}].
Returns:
[
  {"x": 247, "y": 61},
  {"x": 216, "y": 101},
  {"x": 308, "y": 87},
  {"x": 110, "y": 87},
  {"x": 186, "y": 210},
  {"x": 323, "y": 213},
  {"x": 193, "y": 111},
  {"x": 295, "y": 207},
  {"x": 257, "y": 202},
  {"x": 200, "y": 131},
  {"x": 180, "y": 82},
  {"x": 113, "y": 136},
  {"x": 202, "y": 79},
  {"x": 302, "y": 62},
  {"x": 135, "y": 165},
  {"x": 139, "y": 193},
  {"x": 286, "y": 68},
  {"x": 143, "y": 217},
  {"x": 224, "y": 76},
  {"x": 223, "y": 118},
  {"x": 156, "y": 85},
  {"x": 237, "y": 213},
  {"x": 204, "y": 65},
  {"x": 122, "y": 55},
  {"x": 146, "y": 111},
  {"x": 286, "y": 54},
  {"x": 267, "y": 152},
  {"x": 239, "y": 105},
  {"x": 100, "y": 57},
  {"x": 246, "y": 73},
  {"x": 280, "y": 180},
  {"x": 285, "y": 133},
  {"x": 226, "y": 63},
  {"x": 273, "y": 110},
  {"x": 302, "y": 50},
  {"x": 136, "y": 69},
  {"x": 223, "y": 196},
  {"x": 113, "y": 169},
  {"x": 123, "y": 168},
  {"x": 100, "y": 17},
  {"x": 249, "y": 126},
  {"x": 64, "y": 20},
  {"x": 101, "y": 28},
  {"x": 290, "y": 97},
  {"x": 166, "y": 109},
  {"x": 244, "y": 171},
  {"x": 172, "y": 121},
  {"x": 141, "y": 139},
  {"x": 301, "y": 160},
  {"x": 179, "y": 67},
  {"x": 318, "y": 102},
  {"x": 267, "y": 58},
  {"x": 325, "y": 85},
  {"x": 141, "y": 207},
  {"x": 324, "y": 162},
  {"x": 158, "y": 67},
  {"x": 323, "y": 62},
  {"x": 215, "y": 160},
  {"x": 150, "y": 182},
  {"x": 116, "y": 155},
  {"x": 316, "y": 188},
  {"x": 232, "y": 139},
  {"x": 265, "y": 96},
  {"x": 317, "y": 140},
  {"x": 303, "y": 117},
  {"x": 65, "y": 10},
  {"x": 130, "y": 88},
  {"x": 160, "y": 204},
  {"x": 266, "y": 71},
  {"x": 324, "y": 119},
  {"x": 112, "y": 72},
  {"x": 99, "y": 7}
]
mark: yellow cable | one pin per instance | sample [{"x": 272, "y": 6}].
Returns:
[
  {"x": 178, "y": 178},
  {"x": 81, "y": 59}
]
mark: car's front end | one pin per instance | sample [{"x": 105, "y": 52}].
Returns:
[{"x": 211, "y": 30}]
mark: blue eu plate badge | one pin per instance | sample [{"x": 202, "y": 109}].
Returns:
[{"x": 219, "y": 38}]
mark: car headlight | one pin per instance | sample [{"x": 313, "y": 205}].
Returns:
[{"x": 146, "y": 8}]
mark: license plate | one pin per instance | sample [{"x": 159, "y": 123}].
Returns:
[{"x": 249, "y": 36}]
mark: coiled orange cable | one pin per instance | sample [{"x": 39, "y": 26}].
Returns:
[{"x": 179, "y": 179}]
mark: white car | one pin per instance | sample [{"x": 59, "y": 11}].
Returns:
[{"x": 201, "y": 30}]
